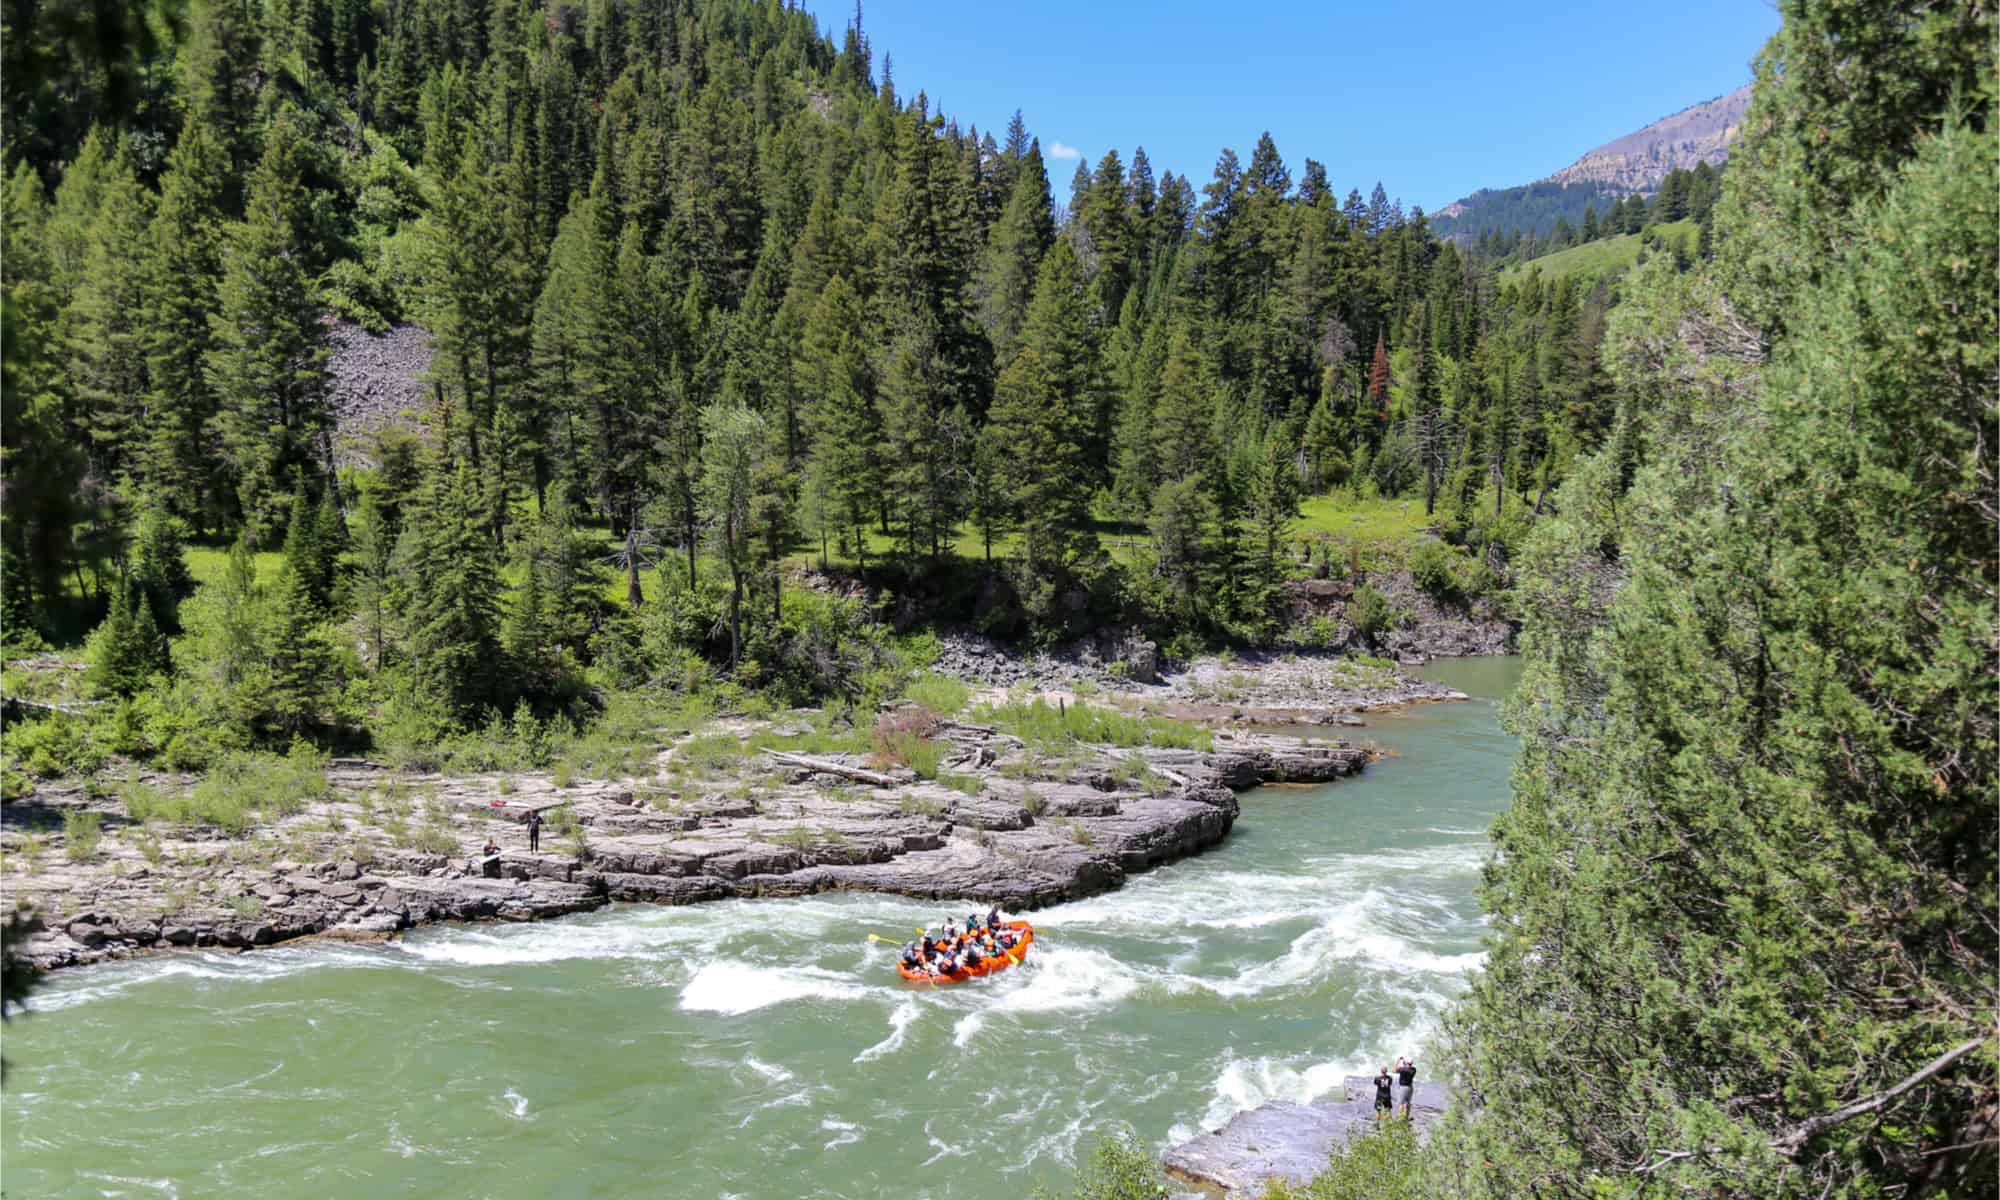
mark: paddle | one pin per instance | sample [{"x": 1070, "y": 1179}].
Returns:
[{"x": 876, "y": 937}]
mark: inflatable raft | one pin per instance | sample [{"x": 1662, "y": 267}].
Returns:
[{"x": 997, "y": 962}]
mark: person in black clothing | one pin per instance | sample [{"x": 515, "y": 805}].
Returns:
[
  {"x": 535, "y": 829},
  {"x": 1382, "y": 1102},
  {"x": 993, "y": 918},
  {"x": 1406, "y": 1085}
]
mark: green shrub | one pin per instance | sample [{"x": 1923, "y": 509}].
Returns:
[
  {"x": 1118, "y": 1169},
  {"x": 52, "y": 745},
  {"x": 244, "y": 786},
  {"x": 145, "y": 804},
  {"x": 1385, "y": 1161},
  {"x": 1434, "y": 568},
  {"x": 942, "y": 694},
  {"x": 148, "y": 845},
  {"x": 1370, "y": 613},
  {"x": 81, "y": 833},
  {"x": 430, "y": 837},
  {"x": 1050, "y": 729}
]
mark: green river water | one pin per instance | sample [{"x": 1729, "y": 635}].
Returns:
[{"x": 764, "y": 1048}]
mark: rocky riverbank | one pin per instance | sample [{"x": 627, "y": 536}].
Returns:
[
  {"x": 999, "y": 821},
  {"x": 1287, "y": 1141},
  {"x": 1255, "y": 688}
]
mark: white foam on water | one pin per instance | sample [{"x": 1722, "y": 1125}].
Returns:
[
  {"x": 110, "y": 980},
  {"x": 1244, "y": 1084},
  {"x": 967, "y": 1028},
  {"x": 1065, "y": 977},
  {"x": 846, "y": 1133},
  {"x": 770, "y": 1071},
  {"x": 1060, "y": 1145},
  {"x": 955, "y": 1147},
  {"x": 900, "y": 1019},
  {"x": 556, "y": 941},
  {"x": 732, "y": 987},
  {"x": 517, "y": 1104},
  {"x": 161, "y": 1187}
]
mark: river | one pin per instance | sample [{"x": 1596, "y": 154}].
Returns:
[{"x": 765, "y": 1048}]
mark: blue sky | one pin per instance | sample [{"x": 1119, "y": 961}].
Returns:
[{"x": 1434, "y": 100}]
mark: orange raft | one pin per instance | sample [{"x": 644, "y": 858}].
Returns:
[{"x": 995, "y": 962}]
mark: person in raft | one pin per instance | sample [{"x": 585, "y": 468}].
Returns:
[
  {"x": 1406, "y": 1085},
  {"x": 1382, "y": 1102}
]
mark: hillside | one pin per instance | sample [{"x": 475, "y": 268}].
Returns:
[
  {"x": 1638, "y": 161},
  {"x": 1606, "y": 256},
  {"x": 1632, "y": 164}
]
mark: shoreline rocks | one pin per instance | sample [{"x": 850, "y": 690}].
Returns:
[
  {"x": 1287, "y": 1140},
  {"x": 1011, "y": 831}
]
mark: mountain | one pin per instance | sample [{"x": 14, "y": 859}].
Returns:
[
  {"x": 1634, "y": 163},
  {"x": 1638, "y": 161}
]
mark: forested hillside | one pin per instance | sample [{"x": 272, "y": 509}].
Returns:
[
  {"x": 1743, "y": 906},
  {"x": 709, "y": 293}
]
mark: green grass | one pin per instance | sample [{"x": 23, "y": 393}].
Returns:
[
  {"x": 1050, "y": 729},
  {"x": 1607, "y": 256},
  {"x": 208, "y": 563},
  {"x": 942, "y": 694}
]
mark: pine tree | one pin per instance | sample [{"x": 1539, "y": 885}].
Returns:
[
  {"x": 301, "y": 660},
  {"x": 268, "y": 363},
  {"x": 126, "y": 650},
  {"x": 1183, "y": 416},
  {"x": 1060, "y": 329},
  {"x": 1006, "y": 281},
  {"x": 733, "y": 442},
  {"x": 451, "y": 585},
  {"x": 159, "y": 566},
  {"x": 1751, "y": 807},
  {"x": 104, "y": 346},
  {"x": 42, "y": 466},
  {"x": 1043, "y": 428},
  {"x": 847, "y": 427},
  {"x": 374, "y": 574},
  {"x": 182, "y": 268},
  {"x": 1378, "y": 381}
]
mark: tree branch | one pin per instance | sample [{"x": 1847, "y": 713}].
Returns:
[{"x": 1790, "y": 1142}]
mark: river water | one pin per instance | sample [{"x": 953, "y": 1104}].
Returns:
[{"x": 766, "y": 1048}]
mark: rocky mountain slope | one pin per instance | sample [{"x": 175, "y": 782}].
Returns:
[
  {"x": 1632, "y": 164},
  {"x": 1700, "y": 133}
]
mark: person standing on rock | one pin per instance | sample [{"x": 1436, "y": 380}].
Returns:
[
  {"x": 534, "y": 829},
  {"x": 1383, "y": 1104},
  {"x": 1406, "y": 1085}
]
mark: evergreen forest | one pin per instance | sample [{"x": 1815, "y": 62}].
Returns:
[{"x": 717, "y": 303}]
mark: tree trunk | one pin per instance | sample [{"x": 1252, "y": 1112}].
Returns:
[
  {"x": 687, "y": 530},
  {"x": 735, "y": 615},
  {"x": 633, "y": 596}
]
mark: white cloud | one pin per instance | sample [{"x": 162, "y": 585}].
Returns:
[{"x": 1058, "y": 150}]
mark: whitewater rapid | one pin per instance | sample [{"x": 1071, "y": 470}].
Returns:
[{"x": 767, "y": 1047}]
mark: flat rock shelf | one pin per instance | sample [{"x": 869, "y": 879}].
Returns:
[
  {"x": 1012, "y": 832},
  {"x": 1285, "y": 1140}
]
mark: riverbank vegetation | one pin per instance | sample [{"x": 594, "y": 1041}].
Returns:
[
  {"x": 713, "y": 302},
  {"x": 712, "y": 297}
]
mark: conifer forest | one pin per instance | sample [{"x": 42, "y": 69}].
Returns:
[{"x": 748, "y": 365}]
